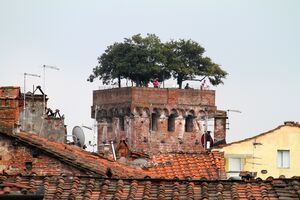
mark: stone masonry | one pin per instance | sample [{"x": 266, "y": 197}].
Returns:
[
  {"x": 155, "y": 120},
  {"x": 31, "y": 119},
  {"x": 49, "y": 124},
  {"x": 17, "y": 158}
]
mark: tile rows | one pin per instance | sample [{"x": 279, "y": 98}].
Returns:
[
  {"x": 206, "y": 165},
  {"x": 95, "y": 188},
  {"x": 90, "y": 162}
]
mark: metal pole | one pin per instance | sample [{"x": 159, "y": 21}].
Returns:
[
  {"x": 95, "y": 128},
  {"x": 44, "y": 88},
  {"x": 205, "y": 130},
  {"x": 113, "y": 149},
  {"x": 24, "y": 109},
  {"x": 44, "y": 84}
]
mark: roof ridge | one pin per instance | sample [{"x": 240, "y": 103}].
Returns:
[{"x": 261, "y": 134}]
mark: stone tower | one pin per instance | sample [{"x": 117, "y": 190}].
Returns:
[{"x": 156, "y": 120}]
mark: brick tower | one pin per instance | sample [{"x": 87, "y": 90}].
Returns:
[{"x": 156, "y": 120}]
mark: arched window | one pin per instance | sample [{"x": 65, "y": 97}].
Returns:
[
  {"x": 189, "y": 123},
  {"x": 171, "y": 123},
  {"x": 121, "y": 123},
  {"x": 109, "y": 124},
  {"x": 153, "y": 123}
]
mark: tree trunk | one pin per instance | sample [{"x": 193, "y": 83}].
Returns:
[
  {"x": 179, "y": 81},
  {"x": 119, "y": 81}
]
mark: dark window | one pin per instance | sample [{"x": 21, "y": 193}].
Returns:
[
  {"x": 189, "y": 123},
  {"x": 109, "y": 124},
  {"x": 153, "y": 122},
  {"x": 7, "y": 103},
  {"x": 28, "y": 166},
  {"x": 171, "y": 123},
  {"x": 121, "y": 123}
]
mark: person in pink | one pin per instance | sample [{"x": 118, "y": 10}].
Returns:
[{"x": 155, "y": 83}]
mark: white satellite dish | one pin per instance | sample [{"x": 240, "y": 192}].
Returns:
[{"x": 78, "y": 136}]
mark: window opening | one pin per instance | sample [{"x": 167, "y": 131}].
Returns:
[
  {"x": 189, "y": 123},
  {"x": 109, "y": 124},
  {"x": 283, "y": 158},
  {"x": 7, "y": 103},
  {"x": 153, "y": 123},
  {"x": 235, "y": 167},
  {"x": 171, "y": 123},
  {"x": 121, "y": 123}
]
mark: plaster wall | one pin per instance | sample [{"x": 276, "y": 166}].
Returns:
[{"x": 263, "y": 155}]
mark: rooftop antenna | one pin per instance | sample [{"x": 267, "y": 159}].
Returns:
[
  {"x": 230, "y": 110},
  {"x": 205, "y": 128},
  {"x": 44, "y": 84},
  {"x": 24, "y": 107},
  {"x": 92, "y": 144},
  {"x": 95, "y": 127}
]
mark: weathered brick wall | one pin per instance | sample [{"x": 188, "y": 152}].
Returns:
[
  {"x": 220, "y": 130},
  {"x": 49, "y": 126},
  {"x": 163, "y": 140},
  {"x": 10, "y": 105},
  {"x": 9, "y": 113},
  {"x": 14, "y": 156},
  {"x": 150, "y": 96},
  {"x": 110, "y": 96},
  {"x": 136, "y": 106},
  {"x": 140, "y": 138}
]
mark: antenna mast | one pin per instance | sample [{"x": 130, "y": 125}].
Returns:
[
  {"x": 231, "y": 110},
  {"x": 24, "y": 107},
  {"x": 44, "y": 84}
]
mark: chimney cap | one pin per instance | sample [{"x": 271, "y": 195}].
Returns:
[{"x": 291, "y": 123}]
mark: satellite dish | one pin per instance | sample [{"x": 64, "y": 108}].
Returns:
[{"x": 78, "y": 136}]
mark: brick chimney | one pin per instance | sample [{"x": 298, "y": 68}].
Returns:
[{"x": 220, "y": 128}]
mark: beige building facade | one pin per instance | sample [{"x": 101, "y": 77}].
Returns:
[{"x": 274, "y": 153}]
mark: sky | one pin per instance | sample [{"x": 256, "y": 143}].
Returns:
[{"x": 256, "y": 42}]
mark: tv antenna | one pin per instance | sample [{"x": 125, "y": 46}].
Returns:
[
  {"x": 91, "y": 143},
  {"x": 44, "y": 83},
  {"x": 24, "y": 107},
  {"x": 228, "y": 111}
]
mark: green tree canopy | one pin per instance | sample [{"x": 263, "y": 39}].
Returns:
[
  {"x": 138, "y": 59},
  {"x": 186, "y": 62},
  {"x": 143, "y": 59}
]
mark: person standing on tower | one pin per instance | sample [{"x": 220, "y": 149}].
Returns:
[{"x": 155, "y": 83}]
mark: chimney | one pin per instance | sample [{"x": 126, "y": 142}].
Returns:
[
  {"x": 220, "y": 128},
  {"x": 290, "y": 123}
]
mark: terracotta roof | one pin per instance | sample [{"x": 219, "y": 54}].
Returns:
[
  {"x": 81, "y": 159},
  {"x": 292, "y": 124},
  {"x": 205, "y": 165},
  {"x": 9, "y": 92},
  {"x": 59, "y": 187}
]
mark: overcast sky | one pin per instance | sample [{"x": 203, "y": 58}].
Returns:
[{"x": 256, "y": 42}]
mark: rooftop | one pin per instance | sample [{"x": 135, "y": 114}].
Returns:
[
  {"x": 286, "y": 124},
  {"x": 60, "y": 187},
  {"x": 77, "y": 157},
  {"x": 205, "y": 165}
]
